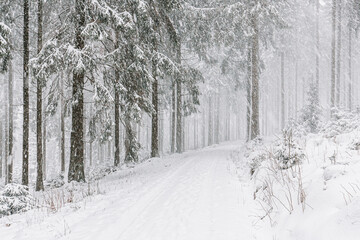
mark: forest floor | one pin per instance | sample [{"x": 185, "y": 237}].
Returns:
[{"x": 196, "y": 195}]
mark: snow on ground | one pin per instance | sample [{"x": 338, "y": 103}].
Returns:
[
  {"x": 210, "y": 194},
  {"x": 317, "y": 199},
  {"x": 196, "y": 195}
]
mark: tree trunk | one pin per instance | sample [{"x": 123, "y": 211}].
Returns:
[
  {"x": 333, "y": 51},
  {"x": 248, "y": 95},
  {"x": 282, "y": 91},
  {"x": 91, "y": 139},
  {"x": 338, "y": 66},
  {"x": 25, "y": 164},
  {"x": 195, "y": 132},
  {"x": 44, "y": 143},
  {"x": 255, "y": 131},
  {"x": 130, "y": 142},
  {"x": 173, "y": 117},
  {"x": 62, "y": 125},
  {"x": 8, "y": 167},
  {"x": 117, "y": 121},
  {"x": 39, "y": 132},
  {"x": 178, "y": 117},
  {"x": 117, "y": 110},
  {"x": 210, "y": 130},
  {"x": 9, "y": 139},
  {"x": 203, "y": 127},
  {"x": 76, "y": 166},
  {"x": 155, "y": 113},
  {"x": 317, "y": 44},
  {"x": 296, "y": 88},
  {"x": 161, "y": 132},
  {"x": 217, "y": 125},
  {"x": 350, "y": 68}
]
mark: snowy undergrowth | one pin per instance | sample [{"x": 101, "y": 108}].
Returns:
[{"x": 308, "y": 187}]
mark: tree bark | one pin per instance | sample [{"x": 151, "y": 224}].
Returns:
[
  {"x": 25, "y": 164},
  {"x": 317, "y": 44},
  {"x": 179, "y": 107},
  {"x": 217, "y": 125},
  {"x": 255, "y": 131},
  {"x": 8, "y": 167},
  {"x": 248, "y": 94},
  {"x": 117, "y": 111},
  {"x": 117, "y": 122},
  {"x": 282, "y": 91},
  {"x": 76, "y": 166},
  {"x": 338, "y": 66},
  {"x": 130, "y": 142},
  {"x": 350, "y": 68},
  {"x": 44, "y": 139},
  {"x": 9, "y": 139},
  {"x": 173, "y": 117},
  {"x": 62, "y": 125},
  {"x": 155, "y": 113},
  {"x": 210, "y": 130},
  {"x": 39, "y": 132},
  {"x": 333, "y": 51}
]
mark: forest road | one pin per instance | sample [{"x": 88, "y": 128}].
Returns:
[
  {"x": 197, "y": 195},
  {"x": 198, "y": 198}
]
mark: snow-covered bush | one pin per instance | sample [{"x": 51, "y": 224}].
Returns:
[
  {"x": 278, "y": 175},
  {"x": 15, "y": 198},
  {"x": 98, "y": 173},
  {"x": 341, "y": 122},
  {"x": 298, "y": 129},
  {"x": 287, "y": 151},
  {"x": 56, "y": 182},
  {"x": 256, "y": 154}
]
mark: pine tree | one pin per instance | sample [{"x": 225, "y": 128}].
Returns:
[{"x": 310, "y": 116}]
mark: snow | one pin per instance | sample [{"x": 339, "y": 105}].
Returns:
[
  {"x": 196, "y": 195},
  {"x": 330, "y": 186},
  {"x": 210, "y": 194}
]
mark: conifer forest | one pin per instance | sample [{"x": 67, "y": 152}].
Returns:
[{"x": 180, "y": 119}]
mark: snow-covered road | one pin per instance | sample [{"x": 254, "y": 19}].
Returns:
[{"x": 196, "y": 195}]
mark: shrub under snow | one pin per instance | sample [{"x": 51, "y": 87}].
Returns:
[
  {"x": 341, "y": 122},
  {"x": 15, "y": 198}
]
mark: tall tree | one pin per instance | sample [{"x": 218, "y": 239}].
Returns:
[
  {"x": 26, "y": 100},
  {"x": 333, "y": 52},
  {"x": 317, "y": 53},
  {"x": 62, "y": 124},
  {"x": 350, "y": 67},
  {"x": 282, "y": 59},
  {"x": 117, "y": 108},
  {"x": 39, "y": 89},
  {"x": 9, "y": 140},
  {"x": 338, "y": 57},
  {"x": 255, "y": 130},
  {"x": 76, "y": 166}
]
